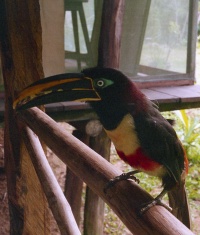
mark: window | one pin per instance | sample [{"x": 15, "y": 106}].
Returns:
[
  {"x": 158, "y": 39},
  {"x": 82, "y": 25}
]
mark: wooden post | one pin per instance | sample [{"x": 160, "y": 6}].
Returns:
[
  {"x": 94, "y": 205},
  {"x": 21, "y": 55},
  {"x": 73, "y": 184},
  {"x": 110, "y": 35},
  {"x": 125, "y": 198}
]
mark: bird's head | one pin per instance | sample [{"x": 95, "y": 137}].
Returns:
[
  {"x": 93, "y": 84},
  {"x": 107, "y": 90},
  {"x": 110, "y": 84}
]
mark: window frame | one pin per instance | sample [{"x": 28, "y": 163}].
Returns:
[{"x": 177, "y": 79}]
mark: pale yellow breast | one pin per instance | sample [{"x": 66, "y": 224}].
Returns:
[{"x": 124, "y": 137}]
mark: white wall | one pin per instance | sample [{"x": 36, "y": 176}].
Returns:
[{"x": 52, "y": 19}]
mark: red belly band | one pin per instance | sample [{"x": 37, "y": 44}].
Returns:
[{"x": 139, "y": 160}]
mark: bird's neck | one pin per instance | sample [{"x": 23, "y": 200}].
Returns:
[
  {"x": 112, "y": 111},
  {"x": 111, "y": 114}
]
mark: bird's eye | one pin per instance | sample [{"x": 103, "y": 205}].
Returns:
[{"x": 102, "y": 83}]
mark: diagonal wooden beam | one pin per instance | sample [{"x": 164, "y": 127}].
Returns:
[
  {"x": 55, "y": 197},
  {"x": 124, "y": 198}
]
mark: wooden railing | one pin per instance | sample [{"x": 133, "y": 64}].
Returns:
[{"x": 95, "y": 171}]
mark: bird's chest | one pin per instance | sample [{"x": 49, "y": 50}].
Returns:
[
  {"x": 128, "y": 147},
  {"x": 124, "y": 137}
]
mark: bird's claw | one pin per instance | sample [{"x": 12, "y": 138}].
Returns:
[
  {"x": 123, "y": 176},
  {"x": 156, "y": 201}
]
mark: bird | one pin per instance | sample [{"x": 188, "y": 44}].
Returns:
[{"x": 142, "y": 137}]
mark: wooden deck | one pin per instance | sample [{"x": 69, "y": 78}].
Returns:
[{"x": 167, "y": 98}]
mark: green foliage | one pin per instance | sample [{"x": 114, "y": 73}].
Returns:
[
  {"x": 188, "y": 130},
  {"x": 192, "y": 182}
]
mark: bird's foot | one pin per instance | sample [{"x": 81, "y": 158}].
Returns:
[
  {"x": 156, "y": 201},
  {"x": 124, "y": 176}
]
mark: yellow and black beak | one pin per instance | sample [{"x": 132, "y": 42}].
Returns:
[{"x": 58, "y": 88}]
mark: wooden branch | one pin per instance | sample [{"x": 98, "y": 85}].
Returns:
[
  {"x": 124, "y": 198},
  {"x": 56, "y": 199}
]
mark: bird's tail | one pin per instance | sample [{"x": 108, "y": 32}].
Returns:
[{"x": 179, "y": 203}]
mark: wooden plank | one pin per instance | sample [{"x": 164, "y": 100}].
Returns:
[
  {"x": 67, "y": 106},
  {"x": 194, "y": 88},
  {"x": 55, "y": 107},
  {"x": 73, "y": 116},
  {"x": 159, "y": 96},
  {"x": 182, "y": 92},
  {"x": 76, "y": 105},
  {"x": 179, "y": 91}
]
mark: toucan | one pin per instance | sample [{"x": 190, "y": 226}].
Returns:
[{"x": 143, "y": 138}]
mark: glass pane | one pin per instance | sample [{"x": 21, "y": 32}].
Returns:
[
  {"x": 69, "y": 34},
  {"x": 165, "y": 44},
  {"x": 161, "y": 47},
  {"x": 80, "y": 43}
]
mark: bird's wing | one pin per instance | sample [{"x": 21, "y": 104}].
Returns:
[{"x": 159, "y": 140}]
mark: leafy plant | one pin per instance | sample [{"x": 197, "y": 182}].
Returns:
[
  {"x": 187, "y": 126},
  {"x": 189, "y": 133}
]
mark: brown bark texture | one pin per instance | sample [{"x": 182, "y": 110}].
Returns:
[{"x": 21, "y": 55}]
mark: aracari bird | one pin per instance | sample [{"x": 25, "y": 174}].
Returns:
[{"x": 143, "y": 138}]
